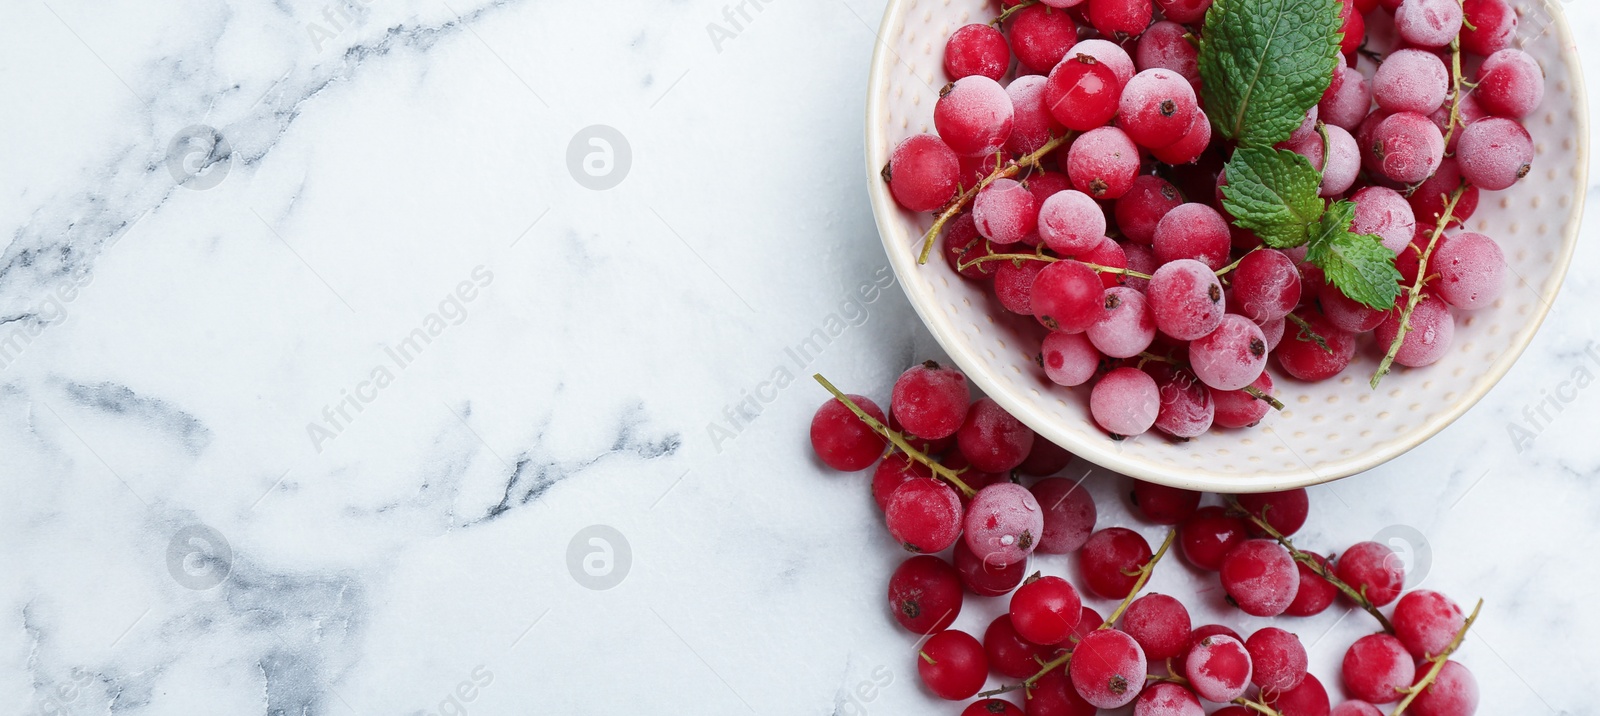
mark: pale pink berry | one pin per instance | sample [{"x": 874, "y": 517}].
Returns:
[
  {"x": 1411, "y": 80},
  {"x": 1432, "y": 331},
  {"x": 1471, "y": 270},
  {"x": 1385, "y": 212},
  {"x": 1005, "y": 212},
  {"x": 1109, "y": 54},
  {"x": 1126, "y": 328},
  {"x": 1125, "y": 402},
  {"x": 1348, "y": 102},
  {"x": 1495, "y": 153},
  {"x": 1070, "y": 222},
  {"x": 1510, "y": 84},
  {"x": 1428, "y": 23},
  {"x": 1409, "y": 147},
  {"x": 1069, "y": 359},
  {"x": 1343, "y": 164}
]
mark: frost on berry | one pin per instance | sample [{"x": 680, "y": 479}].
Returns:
[
  {"x": 1230, "y": 357},
  {"x": 1109, "y": 54},
  {"x": 1068, "y": 359},
  {"x": 1125, "y": 402},
  {"x": 1069, "y": 515},
  {"x": 1428, "y": 23},
  {"x": 1218, "y": 668},
  {"x": 1471, "y": 270},
  {"x": 1376, "y": 668},
  {"x": 1411, "y": 80},
  {"x": 1005, "y": 211},
  {"x": 1003, "y": 523},
  {"x": 1433, "y": 329},
  {"x": 1071, "y": 222},
  {"x": 1385, "y": 212},
  {"x": 1510, "y": 84},
  {"x": 1126, "y": 328},
  {"x": 1495, "y": 153},
  {"x": 974, "y": 116},
  {"x": 1108, "y": 669}
]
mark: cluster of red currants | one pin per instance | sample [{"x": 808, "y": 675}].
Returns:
[
  {"x": 950, "y": 491},
  {"x": 1095, "y": 190}
]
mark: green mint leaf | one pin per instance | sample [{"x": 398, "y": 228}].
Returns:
[
  {"x": 1265, "y": 63},
  {"x": 1275, "y": 193},
  {"x": 1357, "y": 264}
]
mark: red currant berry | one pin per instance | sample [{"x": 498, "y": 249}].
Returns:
[
  {"x": 1495, "y": 153},
  {"x": 1191, "y": 146},
  {"x": 1164, "y": 505},
  {"x": 992, "y": 707},
  {"x": 1193, "y": 231},
  {"x": 974, "y": 116},
  {"x": 1046, "y": 611},
  {"x": 1260, "y": 577},
  {"x": 1200, "y": 633},
  {"x": 1428, "y": 23},
  {"x": 1157, "y": 107},
  {"x": 1266, "y": 285},
  {"x": 1277, "y": 658},
  {"x": 1411, "y": 81},
  {"x": 1356, "y": 708},
  {"x": 1111, "y": 560},
  {"x": 1108, "y": 669},
  {"x": 1126, "y": 402},
  {"x": 1068, "y": 359},
  {"x": 1032, "y": 124},
  {"x": 1453, "y": 693},
  {"x": 1069, "y": 515},
  {"x": 1141, "y": 209},
  {"x": 1160, "y": 624},
  {"x": 1307, "y": 699},
  {"x": 842, "y": 440},
  {"x": 1082, "y": 93},
  {"x": 1054, "y": 695},
  {"x": 1010, "y": 654},
  {"x": 1013, "y": 285},
  {"x": 1003, "y": 523},
  {"x": 925, "y": 594},
  {"x": 1186, "y": 409},
  {"x": 1284, "y": 511},
  {"x": 1208, "y": 536},
  {"x": 1005, "y": 212},
  {"x": 976, "y": 49},
  {"x": 1218, "y": 668},
  {"x": 1165, "y": 45},
  {"x": 1230, "y": 357},
  {"x": 1490, "y": 26},
  {"x": 992, "y": 440},
  {"x": 952, "y": 664},
  {"x": 922, "y": 173},
  {"x": 930, "y": 401},
  {"x": 1184, "y": 11},
  {"x": 1239, "y": 409},
  {"x": 1302, "y": 356},
  {"x": 1426, "y": 621},
  {"x": 1167, "y": 699},
  {"x": 1041, "y": 36},
  {"x": 1103, "y": 163},
  {"x": 1067, "y": 297},
  {"x": 1376, "y": 668},
  {"x": 1186, "y": 299},
  {"x": 924, "y": 515},
  {"x": 1070, "y": 222},
  {"x": 1120, "y": 18},
  {"x": 1046, "y": 458}
]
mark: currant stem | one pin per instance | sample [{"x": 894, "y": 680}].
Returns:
[
  {"x": 1306, "y": 332},
  {"x": 899, "y": 440},
  {"x": 1438, "y": 663},
  {"x": 1414, "y": 296},
  {"x": 1012, "y": 11},
  {"x": 1258, "y": 395},
  {"x": 1311, "y": 563},
  {"x": 1028, "y": 683},
  {"x": 966, "y": 197},
  {"x": 1144, "y": 577},
  {"x": 1225, "y": 269}
]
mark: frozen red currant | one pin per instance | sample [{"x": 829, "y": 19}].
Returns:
[
  {"x": 1070, "y": 222},
  {"x": 976, "y": 49},
  {"x": 1013, "y": 284},
  {"x": 1111, "y": 559},
  {"x": 1284, "y": 511},
  {"x": 1068, "y": 359},
  {"x": 1453, "y": 693},
  {"x": 1120, "y": 18},
  {"x": 1411, "y": 80},
  {"x": 922, "y": 173},
  {"x": 1046, "y": 611},
  {"x": 930, "y": 400},
  {"x": 1230, "y": 357},
  {"x": 1125, "y": 402},
  {"x": 1009, "y": 653},
  {"x": 1186, "y": 409},
  {"x": 1471, "y": 270},
  {"x": 1005, "y": 211},
  {"x": 1040, "y": 36},
  {"x": 1186, "y": 299},
  {"x": 1193, "y": 231},
  {"x": 1510, "y": 84},
  {"x": 1082, "y": 93},
  {"x": 1209, "y": 535},
  {"x": 1032, "y": 125},
  {"x": 1069, "y": 515},
  {"x": 1490, "y": 26},
  {"x": 1278, "y": 660},
  {"x": 1260, "y": 577},
  {"x": 1164, "y": 505},
  {"x": 1356, "y": 708},
  {"x": 991, "y": 439},
  {"x": 891, "y": 472},
  {"x": 1156, "y": 108},
  {"x": 1426, "y": 621},
  {"x": 974, "y": 116},
  {"x": 1191, "y": 146},
  {"x": 1108, "y": 669},
  {"x": 1160, "y": 624},
  {"x": 1067, "y": 297},
  {"x": 924, "y": 515},
  {"x": 1316, "y": 352},
  {"x": 925, "y": 594},
  {"x": 1140, "y": 210},
  {"x": 1495, "y": 153},
  {"x": 1108, "y": 53},
  {"x": 1376, "y": 668},
  {"x": 1167, "y": 699},
  {"x": 1126, "y": 327},
  {"x": 1103, "y": 163},
  {"x": 1428, "y": 23},
  {"x": 1373, "y": 569},
  {"x": 1218, "y": 668},
  {"x": 1310, "y": 698},
  {"x": 1409, "y": 147},
  {"x": 1433, "y": 330},
  {"x": 952, "y": 665},
  {"x": 991, "y": 707},
  {"x": 842, "y": 440},
  {"x": 1054, "y": 695},
  {"x": 1240, "y": 409},
  {"x": 1003, "y": 523}
]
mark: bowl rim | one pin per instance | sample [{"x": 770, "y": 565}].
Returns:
[{"x": 1104, "y": 453}]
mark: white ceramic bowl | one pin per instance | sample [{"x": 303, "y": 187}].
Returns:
[{"x": 1329, "y": 430}]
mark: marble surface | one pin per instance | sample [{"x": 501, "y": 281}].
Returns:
[{"x": 331, "y": 386}]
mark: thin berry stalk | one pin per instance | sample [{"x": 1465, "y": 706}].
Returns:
[
  {"x": 1252, "y": 390},
  {"x": 897, "y": 439},
  {"x": 966, "y": 197},
  {"x": 1144, "y": 578},
  {"x": 1097, "y": 268},
  {"x": 1310, "y": 562},
  {"x": 1438, "y": 663},
  {"x": 1415, "y": 291},
  {"x": 1014, "y": 9}
]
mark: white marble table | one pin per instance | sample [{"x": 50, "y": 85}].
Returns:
[{"x": 385, "y": 358}]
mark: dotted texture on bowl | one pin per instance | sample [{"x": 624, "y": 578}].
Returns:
[{"x": 1328, "y": 430}]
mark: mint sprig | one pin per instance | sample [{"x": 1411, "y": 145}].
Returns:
[
  {"x": 1274, "y": 193},
  {"x": 1265, "y": 63}
]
